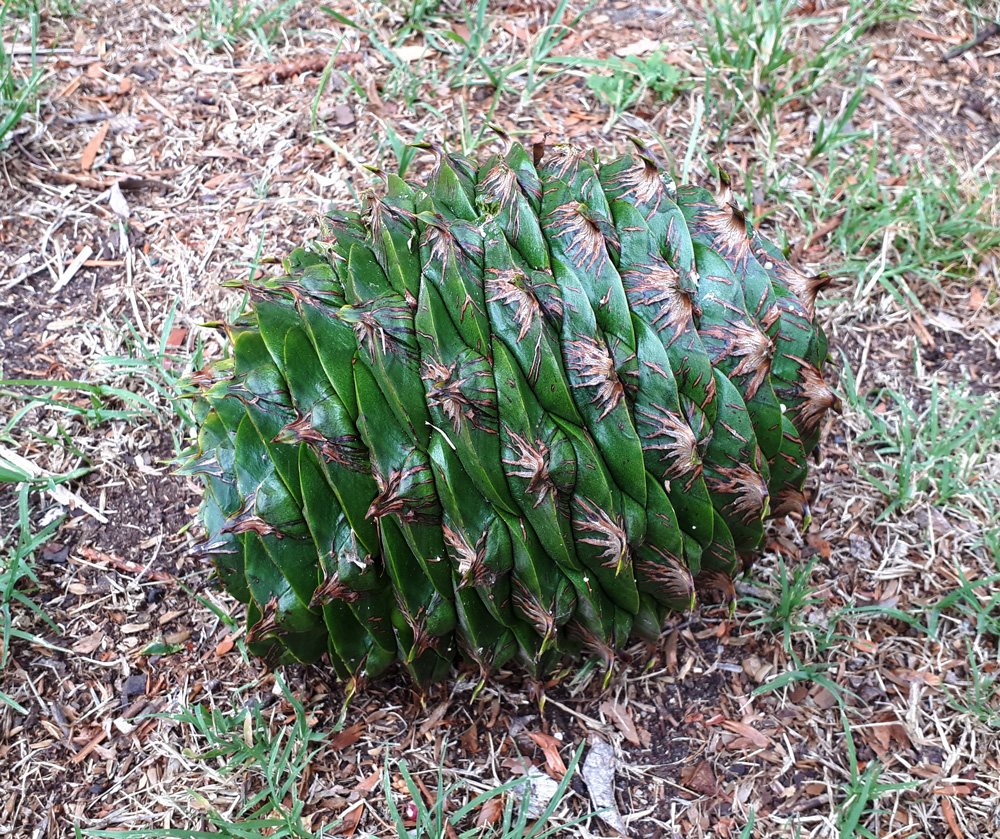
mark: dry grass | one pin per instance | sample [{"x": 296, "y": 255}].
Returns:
[{"x": 858, "y": 696}]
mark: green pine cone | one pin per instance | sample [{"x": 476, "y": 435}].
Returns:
[{"x": 519, "y": 412}]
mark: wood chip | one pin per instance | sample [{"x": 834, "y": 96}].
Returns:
[
  {"x": 948, "y": 810},
  {"x": 434, "y": 720},
  {"x": 93, "y": 147},
  {"x": 224, "y": 646},
  {"x": 343, "y": 115},
  {"x": 71, "y": 269},
  {"x": 102, "y": 558},
  {"x": 91, "y": 745}
]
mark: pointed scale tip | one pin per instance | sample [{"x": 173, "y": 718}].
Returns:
[
  {"x": 537, "y": 152},
  {"x": 725, "y": 197},
  {"x": 433, "y": 148},
  {"x": 478, "y": 688},
  {"x": 644, "y": 151},
  {"x": 500, "y": 132}
]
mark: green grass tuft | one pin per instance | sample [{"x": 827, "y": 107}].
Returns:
[
  {"x": 933, "y": 452},
  {"x": 19, "y": 85},
  {"x": 17, "y": 580},
  {"x": 227, "y": 22}
]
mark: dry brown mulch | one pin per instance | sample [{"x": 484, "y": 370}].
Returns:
[{"x": 213, "y": 153}]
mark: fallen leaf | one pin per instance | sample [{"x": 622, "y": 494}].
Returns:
[
  {"x": 887, "y": 728},
  {"x": 350, "y": 819},
  {"x": 219, "y": 180},
  {"x": 375, "y": 102},
  {"x": 819, "y": 544},
  {"x": 287, "y": 70},
  {"x": 621, "y": 716},
  {"x": 369, "y": 783},
  {"x": 823, "y": 698},
  {"x": 700, "y": 778},
  {"x": 88, "y": 643},
  {"x": 470, "y": 740},
  {"x": 517, "y": 765},
  {"x": 953, "y": 789},
  {"x": 761, "y": 741},
  {"x": 490, "y": 812},
  {"x": 412, "y": 53},
  {"x": 640, "y": 47},
  {"x": 347, "y": 737},
  {"x": 927, "y": 35},
  {"x": 550, "y": 747},
  {"x": 599, "y": 775},
  {"x": 724, "y": 827},
  {"x": 93, "y": 147},
  {"x": 518, "y": 32}
]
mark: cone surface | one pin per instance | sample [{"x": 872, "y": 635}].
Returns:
[{"x": 522, "y": 411}]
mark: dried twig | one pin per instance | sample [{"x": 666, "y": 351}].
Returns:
[
  {"x": 286, "y": 70},
  {"x": 982, "y": 37},
  {"x": 102, "y": 558}
]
